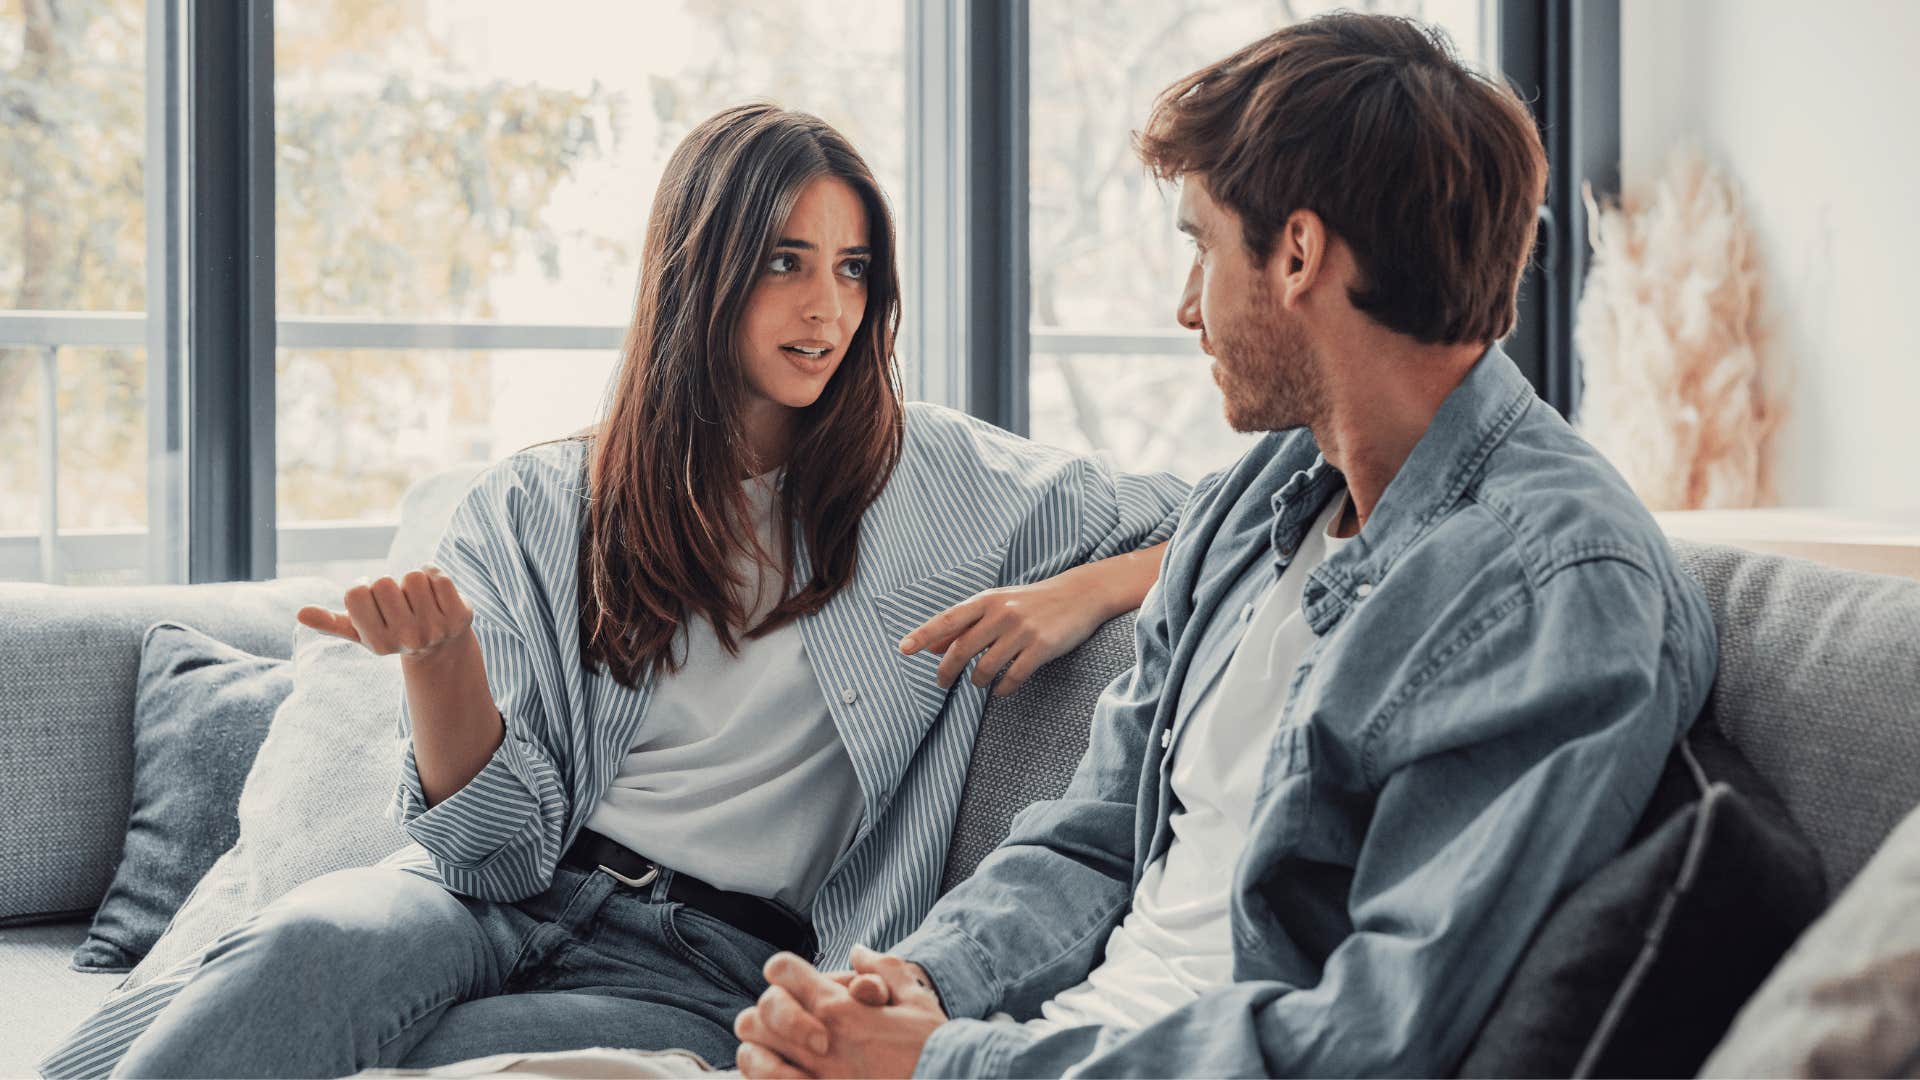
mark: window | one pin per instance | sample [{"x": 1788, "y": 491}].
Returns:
[
  {"x": 1110, "y": 371},
  {"x": 73, "y": 478}
]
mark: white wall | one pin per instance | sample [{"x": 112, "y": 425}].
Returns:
[{"x": 1809, "y": 106}]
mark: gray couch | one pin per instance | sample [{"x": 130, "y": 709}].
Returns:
[{"x": 1819, "y": 685}]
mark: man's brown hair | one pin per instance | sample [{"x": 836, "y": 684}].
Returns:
[{"x": 1431, "y": 173}]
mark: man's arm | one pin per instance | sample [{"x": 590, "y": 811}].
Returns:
[
  {"x": 1508, "y": 780},
  {"x": 1033, "y": 918}
]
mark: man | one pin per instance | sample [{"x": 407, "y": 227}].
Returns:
[{"x": 1408, "y": 675}]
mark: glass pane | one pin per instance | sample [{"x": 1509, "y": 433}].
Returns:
[
  {"x": 358, "y": 427},
  {"x": 493, "y": 160},
  {"x": 1105, "y": 256},
  {"x": 72, "y": 239}
]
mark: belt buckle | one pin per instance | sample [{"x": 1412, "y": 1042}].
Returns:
[{"x": 640, "y": 882}]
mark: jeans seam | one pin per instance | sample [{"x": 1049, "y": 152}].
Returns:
[{"x": 407, "y": 1025}]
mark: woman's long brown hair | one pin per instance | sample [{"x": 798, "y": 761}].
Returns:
[{"x": 668, "y": 519}]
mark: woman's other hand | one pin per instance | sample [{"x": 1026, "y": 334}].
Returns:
[
  {"x": 414, "y": 616},
  {"x": 1012, "y": 630}
]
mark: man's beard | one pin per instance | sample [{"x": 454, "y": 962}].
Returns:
[{"x": 1267, "y": 370}]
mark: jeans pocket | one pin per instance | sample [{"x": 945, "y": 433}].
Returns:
[{"x": 728, "y": 955}]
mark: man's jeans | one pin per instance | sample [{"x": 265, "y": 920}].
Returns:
[{"x": 378, "y": 967}]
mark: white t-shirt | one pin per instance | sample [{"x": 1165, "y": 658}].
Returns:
[
  {"x": 738, "y": 775},
  {"x": 1176, "y": 941}
]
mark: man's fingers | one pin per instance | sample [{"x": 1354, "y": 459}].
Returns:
[
  {"x": 327, "y": 622},
  {"x": 869, "y": 990},
  {"x": 901, "y": 979},
  {"x": 793, "y": 1025},
  {"x": 938, "y": 632},
  {"x": 757, "y": 1062},
  {"x": 794, "y": 974}
]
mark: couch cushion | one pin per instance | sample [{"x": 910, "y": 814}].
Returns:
[
  {"x": 1819, "y": 687},
  {"x": 42, "y": 996},
  {"x": 202, "y": 712},
  {"x": 66, "y": 720}
]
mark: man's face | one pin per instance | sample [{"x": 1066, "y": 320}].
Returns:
[{"x": 1262, "y": 359}]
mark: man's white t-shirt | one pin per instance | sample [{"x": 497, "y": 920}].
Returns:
[{"x": 1176, "y": 941}]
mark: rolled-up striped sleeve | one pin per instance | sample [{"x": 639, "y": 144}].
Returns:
[{"x": 499, "y": 837}]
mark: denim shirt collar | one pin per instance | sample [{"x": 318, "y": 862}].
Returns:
[{"x": 1469, "y": 424}]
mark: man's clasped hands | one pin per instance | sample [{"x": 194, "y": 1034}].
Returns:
[{"x": 868, "y": 1022}]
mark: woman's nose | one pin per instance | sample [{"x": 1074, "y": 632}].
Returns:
[{"x": 823, "y": 301}]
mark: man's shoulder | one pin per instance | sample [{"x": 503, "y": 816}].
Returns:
[{"x": 1550, "y": 497}]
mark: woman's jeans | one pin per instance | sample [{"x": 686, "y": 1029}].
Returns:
[{"x": 378, "y": 968}]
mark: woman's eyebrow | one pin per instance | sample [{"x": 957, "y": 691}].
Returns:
[{"x": 808, "y": 245}]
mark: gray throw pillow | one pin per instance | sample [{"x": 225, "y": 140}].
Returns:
[{"x": 201, "y": 710}]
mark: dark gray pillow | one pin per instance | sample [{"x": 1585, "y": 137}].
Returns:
[
  {"x": 1640, "y": 970},
  {"x": 201, "y": 711}
]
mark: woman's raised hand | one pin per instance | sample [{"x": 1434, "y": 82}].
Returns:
[
  {"x": 413, "y": 616},
  {"x": 1012, "y": 630}
]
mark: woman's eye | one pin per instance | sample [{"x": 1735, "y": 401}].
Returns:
[
  {"x": 854, "y": 268},
  {"x": 783, "y": 264}
]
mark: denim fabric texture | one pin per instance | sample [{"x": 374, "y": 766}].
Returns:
[
  {"x": 377, "y": 967},
  {"x": 1506, "y": 655}
]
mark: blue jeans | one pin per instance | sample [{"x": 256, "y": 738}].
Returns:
[{"x": 379, "y": 968}]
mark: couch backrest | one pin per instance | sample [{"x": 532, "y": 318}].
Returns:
[
  {"x": 1819, "y": 686},
  {"x": 68, "y": 661}
]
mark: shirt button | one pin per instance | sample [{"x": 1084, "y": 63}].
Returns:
[
  {"x": 1363, "y": 590},
  {"x": 1166, "y": 738},
  {"x": 849, "y": 695}
]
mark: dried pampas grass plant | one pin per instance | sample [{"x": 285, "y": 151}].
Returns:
[{"x": 1672, "y": 343}]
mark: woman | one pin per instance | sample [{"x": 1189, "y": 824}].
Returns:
[{"x": 672, "y": 690}]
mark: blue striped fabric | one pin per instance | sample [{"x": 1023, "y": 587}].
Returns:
[{"x": 969, "y": 507}]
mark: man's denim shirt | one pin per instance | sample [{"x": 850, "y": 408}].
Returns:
[{"x": 1505, "y": 656}]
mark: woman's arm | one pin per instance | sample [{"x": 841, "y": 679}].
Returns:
[
  {"x": 456, "y": 726},
  {"x": 1015, "y": 630}
]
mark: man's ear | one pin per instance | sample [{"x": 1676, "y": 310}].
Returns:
[{"x": 1299, "y": 257}]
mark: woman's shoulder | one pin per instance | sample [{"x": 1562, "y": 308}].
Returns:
[
  {"x": 948, "y": 441},
  {"x": 538, "y": 482}
]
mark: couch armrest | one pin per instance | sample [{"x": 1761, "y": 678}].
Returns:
[{"x": 69, "y": 658}]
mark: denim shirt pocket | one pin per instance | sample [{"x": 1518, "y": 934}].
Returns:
[{"x": 1286, "y": 785}]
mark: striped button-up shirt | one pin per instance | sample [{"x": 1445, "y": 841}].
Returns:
[{"x": 968, "y": 508}]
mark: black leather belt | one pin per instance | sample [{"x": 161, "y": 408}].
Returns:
[{"x": 764, "y": 919}]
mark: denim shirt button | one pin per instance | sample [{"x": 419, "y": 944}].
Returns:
[
  {"x": 1166, "y": 738},
  {"x": 1363, "y": 590}
]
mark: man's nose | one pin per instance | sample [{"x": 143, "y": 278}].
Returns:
[{"x": 1187, "y": 314}]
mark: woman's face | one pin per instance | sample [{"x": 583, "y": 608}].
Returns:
[{"x": 807, "y": 303}]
